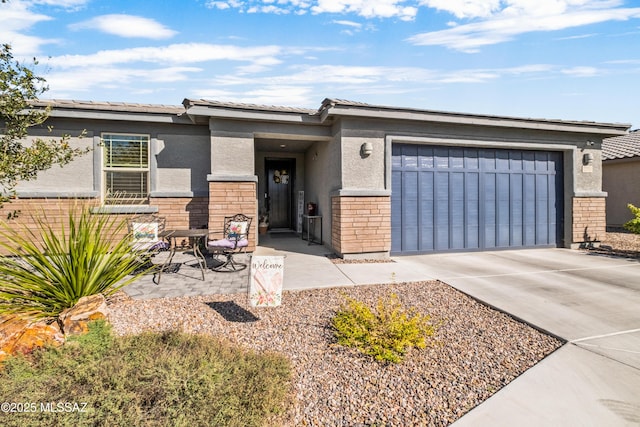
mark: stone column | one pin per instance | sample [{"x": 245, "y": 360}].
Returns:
[
  {"x": 589, "y": 220},
  {"x": 232, "y": 195},
  {"x": 361, "y": 226}
]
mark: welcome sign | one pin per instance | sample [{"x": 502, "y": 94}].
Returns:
[{"x": 265, "y": 280}]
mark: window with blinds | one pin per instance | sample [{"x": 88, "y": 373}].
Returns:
[{"x": 126, "y": 168}]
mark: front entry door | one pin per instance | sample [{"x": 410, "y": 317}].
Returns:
[{"x": 279, "y": 186}]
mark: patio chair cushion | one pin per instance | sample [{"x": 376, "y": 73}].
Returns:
[
  {"x": 145, "y": 232},
  {"x": 238, "y": 229},
  {"x": 229, "y": 243}
]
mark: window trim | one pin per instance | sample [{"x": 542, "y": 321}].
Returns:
[{"x": 104, "y": 169}]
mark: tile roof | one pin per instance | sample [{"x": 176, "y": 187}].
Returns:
[
  {"x": 110, "y": 106},
  {"x": 621, "y": 147},
  {"x": 243, "y": 106}
]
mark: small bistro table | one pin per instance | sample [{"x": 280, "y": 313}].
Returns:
[
  {"x": 194, "y": 236},
  {"x": 311, "y": 222}
]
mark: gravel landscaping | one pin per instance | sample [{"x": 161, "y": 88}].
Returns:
[
  {"x": 476, "y": 351},
  {"x": 619, "y": 243}
]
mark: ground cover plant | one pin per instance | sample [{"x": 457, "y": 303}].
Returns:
[
  {"x": 385, "y": 333},
  {"x": 151, "y": 379},
  {"x": 50, "y": 266}
]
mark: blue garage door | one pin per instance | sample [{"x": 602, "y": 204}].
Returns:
[{"x": 454, "y": 198}]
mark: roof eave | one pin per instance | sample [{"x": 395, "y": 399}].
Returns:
[
  {"x": 331, "y": 108},
  {"x": 197, "y": 111},
  {"x": 113, "y": 111}
]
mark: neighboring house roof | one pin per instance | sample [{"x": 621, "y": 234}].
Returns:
[{"x": 621, "y": 147}]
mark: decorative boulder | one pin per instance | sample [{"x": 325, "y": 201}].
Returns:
[
  {"x": 23, "y": 335},
  {"x": 75, "y": 319},
  {"x": 19, "y": 335}
]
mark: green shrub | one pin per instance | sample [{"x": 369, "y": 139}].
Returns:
[
  {"x": 385, "y": 334},
  {"x": 151, "y": 379},
  {"x": 48, "y": 270},
  {"x": 634, "y": 224}
]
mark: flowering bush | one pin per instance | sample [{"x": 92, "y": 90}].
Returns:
[
  {"x": 634, "y": 224},
  {"x": 385, "y": 334}
]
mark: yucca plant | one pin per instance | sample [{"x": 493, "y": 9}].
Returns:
[{"x": 48, "y": 270}]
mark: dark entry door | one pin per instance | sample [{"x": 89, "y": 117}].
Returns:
[{"x": 279, "y": 187}]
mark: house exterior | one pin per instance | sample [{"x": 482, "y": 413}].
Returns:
[
  {"x": 384, "y": 179},
  {"x": 621, "y": 176}
]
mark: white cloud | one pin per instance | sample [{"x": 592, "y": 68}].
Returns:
[
  {"x": 66, "y": 4},
  {"x": 335, "y": 79},
  {"x": 465, "y": 8},
  {"x": 581, "y": 71},
  {"x": 362, "y": 75},
  {"x": 126, "y": 26},
  {"x": 524, "y": 16},
  {"x": 347, "y": 23},
  {"x": 365, "y": 8},
  {"x": 17, "y": 16},
  {"x": 183, "y": 53},
  {"x": 90, "y": 78}
]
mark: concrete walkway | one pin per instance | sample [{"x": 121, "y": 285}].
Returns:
[{"x": 591, "y": 301}]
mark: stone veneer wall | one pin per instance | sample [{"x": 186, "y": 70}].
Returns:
[
  {"x": 183, "y": 212},
  {"x": 227, "y": 198},
  {"x": 179, "y": 212},
  {"x": 360, "y": 225},
  {"x": 589, "y": 219}
]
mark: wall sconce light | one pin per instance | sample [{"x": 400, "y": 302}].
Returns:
[
  {"x": 366, "y": 149},
  {"x": 587, "y": 158}
]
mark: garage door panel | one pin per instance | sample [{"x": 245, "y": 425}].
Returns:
[
  {"x": 426, "y": 210},
  {"x": 396, "y": 208},
  {"x": 472, "y": 210},
  {"x": 410, "y": 220},
  {"x": 441, "y": 210},
  {"x": 542, "y": 213},
  {"x": 488, "y": 206},
  {"x": 517, "y": 209},
  {"x": 451, "y": 198},
  {"x": 456, "y": 207},
  {"x": 503, "y": 207}
]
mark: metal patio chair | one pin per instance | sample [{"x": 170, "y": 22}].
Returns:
[
  {"x": 144, "y": 230},
  {"x": 232, "y": 241}
]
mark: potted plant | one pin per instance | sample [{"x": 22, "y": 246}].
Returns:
[{"x": 263, "y": 223}]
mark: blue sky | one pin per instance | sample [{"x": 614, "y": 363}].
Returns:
[{"x": 555, "y": 59}]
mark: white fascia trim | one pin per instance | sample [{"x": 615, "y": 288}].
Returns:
[
  {"x": 130, "y": 117},
  {"x": 232, "y": 178},
  {"x": 609, "y": 129},
  {"x": 58, "y": 194},
  {"x": 590, "y": 194},
  {"x": 360, "y": 193},
  {"x": 458, "y": 142},
  {"x": 124, "y": 209},
  {"x": 269, "y": 116},
  {"x": 178, "y": 194}
]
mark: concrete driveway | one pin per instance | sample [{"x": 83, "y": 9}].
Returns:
[{"x": 591, "y": 301}]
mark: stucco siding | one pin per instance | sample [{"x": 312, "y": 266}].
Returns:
[
  {"x": 182, "y": 163},
  {"x": 64, "y": 180},
  {"x": 621, "y": 181}
]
